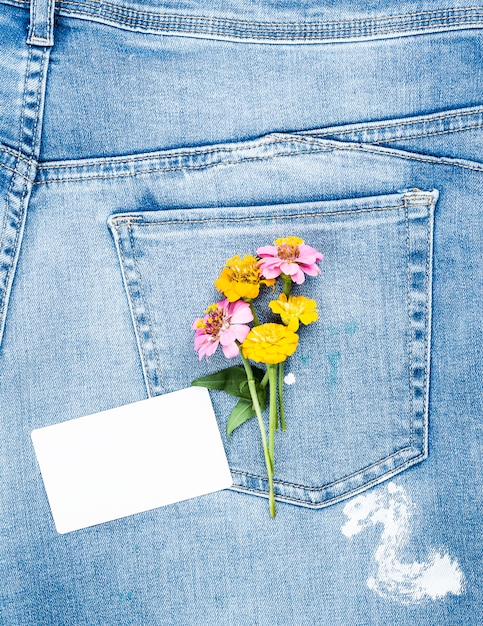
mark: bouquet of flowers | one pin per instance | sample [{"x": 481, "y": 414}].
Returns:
[{"x": 233, "y": 324}]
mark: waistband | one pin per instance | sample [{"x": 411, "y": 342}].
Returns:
[{"x": 271, "y": 21}]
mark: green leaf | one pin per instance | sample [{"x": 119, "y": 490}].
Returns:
[
  {"x": 242, "y": 411},
  {"x": 232, "y": 380}
]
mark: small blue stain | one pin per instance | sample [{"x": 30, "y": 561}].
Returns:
[
  {"x": 333, "y": 358},
  {"x": 351, "y": 328},
  {"x": 305, "y": 358},
  {"x": 332, "y": 330},
  {"x": 125, "y": 596}
]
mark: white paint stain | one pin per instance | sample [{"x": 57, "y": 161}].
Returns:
[
  {"x": 289, "y": 379},
  {"x": 392, "y": 578}
]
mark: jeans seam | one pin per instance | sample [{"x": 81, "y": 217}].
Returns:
[
  {"x": 143, "y": 298},
  {"x": 334, "y": 482},
  {"x": 300, "y": 39},
  {"x": 427, "y": 330},
  {"x": 307, "y": 30},
  {"x": 138, "y": 330},
  {"x": 140, "y": 222},
  {"x": 170, "y": 155},
  {"x": 346, "y": 494},
  {"x": 147, "y": 313},
  {"x": 359, "y": 147},
  {"x": 335, "y": 23},
  {"x": 409, "y": 330},
  {"x": 440, "y": 132},
  {"x": 436, "y": 117}
]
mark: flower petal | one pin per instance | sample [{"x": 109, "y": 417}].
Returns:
[
  {"x": 231, "y": 350},
  {"x": 298, "y": 277},
  {"x": 241, "y": 331},
  {"x": 227, "y": 336},
  {"x": 240, "y": 312},
  {"x": 267, "y": 251}
]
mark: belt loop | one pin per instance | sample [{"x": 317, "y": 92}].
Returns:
[{"x": 41, "y": 28}]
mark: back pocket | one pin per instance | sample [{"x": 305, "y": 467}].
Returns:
[{"x": 358, "y": 399}]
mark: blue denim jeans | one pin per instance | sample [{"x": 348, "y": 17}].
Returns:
[{"x": 141, "y": 145}]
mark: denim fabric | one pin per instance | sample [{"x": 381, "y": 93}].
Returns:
[{"x": 142, "y": 144}]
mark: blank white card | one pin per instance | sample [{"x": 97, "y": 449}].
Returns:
[{"x": 131, "y": 459}]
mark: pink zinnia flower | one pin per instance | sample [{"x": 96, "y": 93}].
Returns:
[
  {"x": 224, "y": 324},
  {"x": 289, "y": 256}
]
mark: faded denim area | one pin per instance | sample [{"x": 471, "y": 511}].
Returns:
[{"x": 142, "y": 144}]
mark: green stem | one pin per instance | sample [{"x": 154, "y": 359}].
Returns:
[
  {"x": 254, "y": 313},
  {"x": 261, "y": 425},
  {"x": 272, "y": 375},
  {"x": 264, "y": 381},
  {"x": 280, "y": 395},
  {"x": 287, "y": 284}
]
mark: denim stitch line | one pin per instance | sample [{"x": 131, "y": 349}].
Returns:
[
  {"x": 237, "y": 21},
  {"x": 334, "y": 483},
  {"x": 360, "y": 147},
  {"x": 26, "y": 179},
  {"x": 364, "y": 20},
  {"x": 132, "y": 16},
  {"x": 372, "y": 33},
  {"x": 4, "y": 287},
  {"x": 390, "y": 137},
  {"x": 168, "y": 155},
  {"x": 15, "y": 171},
  {"x": 50, "y": 22},
  {"x": 38, "y": 97},
  {"x": 4, "y": 283},
  {"x": 276, "y": 138},
  {"x": 24, "y": 96},
  {"x": 441, "y": 132},
  {"x": 21, "y": 212},
  {"x": 155, "y": 19},
  {"x": 434, "y": 160},
  {"x": 155, "y": 368},
  {"x": 170, "y": 169},
  {"x": 465, "y": 13},
  {"x": 409, "y": 329},
  {"x": 34, "y": 10},
  {"x": 423, "y": 119},
  {"x": 427, "y": 329},
  {"x": 128, "y": 283},
  {"x": 337, "y": 498},
  {"x": 9, "y": 191},
  {"x": 259, "y": 218},
  {"x": 17, "y": 154},
  {"x": 162, "y": 155}
]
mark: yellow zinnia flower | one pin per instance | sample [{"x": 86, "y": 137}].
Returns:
[
  {"x": 269, "y": 343},
  {"x": 295, "y": 309},
  {"x": 240, "y": 278}
]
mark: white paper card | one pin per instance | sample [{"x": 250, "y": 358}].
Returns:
[{"x": 131, "y": 459}]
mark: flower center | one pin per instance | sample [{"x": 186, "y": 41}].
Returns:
[
  {"x": 244, "y": 270},
  {"x": 216, "y": 322},
  {"x": 287, "y": 252}
]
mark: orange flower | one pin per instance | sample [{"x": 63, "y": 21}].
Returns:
[{"x": 241, "y": 278}]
